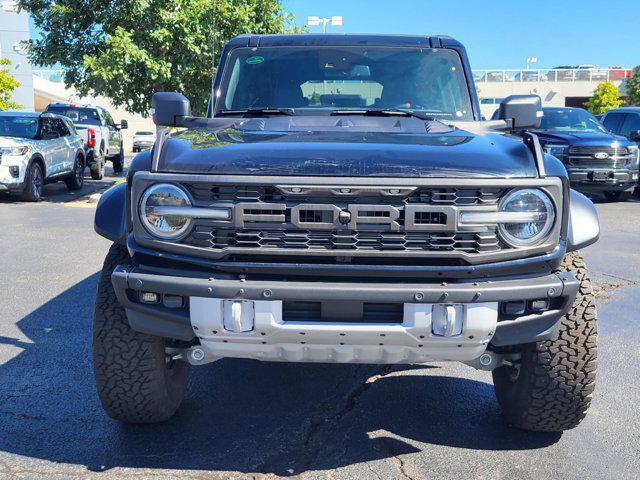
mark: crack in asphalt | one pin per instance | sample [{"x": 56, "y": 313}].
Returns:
[
  {"x": 604, "y": 291},
  {"x": 313, "y": 432},
  {"x": 402, "y": 468}
]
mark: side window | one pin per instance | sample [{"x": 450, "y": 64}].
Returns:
[
  {"x": 612, "y": 121},
  {"x": 631, "y": 125},
  {"x": 48, "y": 127},
  {"x": 108, "y": 118},
  {"x": 62, "y": 128}
]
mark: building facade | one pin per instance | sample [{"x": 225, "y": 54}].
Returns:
[{"x": 14, "y": 30}]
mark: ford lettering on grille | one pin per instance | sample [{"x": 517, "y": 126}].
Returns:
[{"x": 314, "y": 216}]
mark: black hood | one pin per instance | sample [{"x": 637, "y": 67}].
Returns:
[
  {"x": 344, "y": 146},
  {"x": 591, "y": 139}
]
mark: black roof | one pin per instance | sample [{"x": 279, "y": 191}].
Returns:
[{"x": 336, "y": 39}]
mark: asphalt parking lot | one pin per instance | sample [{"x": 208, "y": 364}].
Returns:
[{"x": 249, "y": 419}]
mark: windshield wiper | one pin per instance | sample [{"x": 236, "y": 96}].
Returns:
[
  {"x": 386, "y": 112},
  {"x": 257, "y": 112}
]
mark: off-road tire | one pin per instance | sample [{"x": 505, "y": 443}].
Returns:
[
  {"x": 551, "y": 391},
  {"x": 136, "y": 383},
  {"x": 34, "y": 183},
  {"x": 618, "y": 196},
  {"x": 118, "y": 161},
  {"x": 97, "y": 167},
  {"x": 75, "y": 181}
]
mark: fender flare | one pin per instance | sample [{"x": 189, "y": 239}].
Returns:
[
  {"x": 110, "y": 220},
  {"x": 34, "y": 157},
  {"x": 584, "y": 224}
]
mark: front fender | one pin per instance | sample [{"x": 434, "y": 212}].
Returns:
[
  {"x": 584, "y": 225},
  {"x": 111, "y": 219}
]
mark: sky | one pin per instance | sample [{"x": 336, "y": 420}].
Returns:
[{"x": 499, "y": 33}]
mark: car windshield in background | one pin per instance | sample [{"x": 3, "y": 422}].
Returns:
[
  {"x": 21, "y": 127},
  {"x": 82, "y": 116},
  {"x": 323, "y": 79},
  {"x": 144, "y": 133},
  {"x": 571, "y": 120}
]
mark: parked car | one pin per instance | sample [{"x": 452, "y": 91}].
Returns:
[
  {"x": 281, "y": 230},
  {"x": 102, "y": 136},
  {"x": 562, "y": 73},
  {"x": 143, "y": 141},
  {"x": 624, "y": 121},
  {"x": 39, "y": 148},
  {"x": 596, "y": 159}
]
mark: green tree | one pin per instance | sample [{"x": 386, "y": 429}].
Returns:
[
  {"x": 127, "y": 50},
  {"x": 7, "y": 85},
  {"x": 633, "y": 87},
  {"x": 605, "y": 97}
]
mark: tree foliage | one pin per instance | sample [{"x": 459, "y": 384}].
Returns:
[
  {"x": 7, "y": 85},
  {"x": 605, "y": 97},
  {"x": 633, "y": 87},
  {"x": 127, "y": 50}
]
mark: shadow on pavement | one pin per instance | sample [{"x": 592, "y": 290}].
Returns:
[{"x": 238, "y": 415}]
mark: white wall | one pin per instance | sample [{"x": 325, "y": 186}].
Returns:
[{"x": 14, "y": 28}]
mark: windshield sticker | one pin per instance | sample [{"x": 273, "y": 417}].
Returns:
[{"x": 255, "y": 60}]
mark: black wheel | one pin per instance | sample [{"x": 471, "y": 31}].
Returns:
[
  {"x": 75, "y": 181},
  {"x": 136, "y": 380},
  {"x": 619, "y": 196},
  {"x": 550, "y": 389},
  {"x": 97, "y": 168},
  {"x": 118, "y": 161},
  {"x": 34, "y": 183}
]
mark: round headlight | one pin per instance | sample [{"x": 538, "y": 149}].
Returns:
[
  {"x": 159, "y": 211},
  {"x": 533, "y": 230}
]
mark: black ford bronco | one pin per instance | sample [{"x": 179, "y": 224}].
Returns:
[{"x": 343, "y": 202}]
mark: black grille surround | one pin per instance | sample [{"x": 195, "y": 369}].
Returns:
[{"x": 339, "y": 220}]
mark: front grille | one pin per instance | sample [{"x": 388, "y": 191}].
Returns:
[
  {"x": 591, "y": 150},
  {"x": 585, "y": 157},
  {"x": 469, "y": 242},
  {"x": 336, "y": 221}
]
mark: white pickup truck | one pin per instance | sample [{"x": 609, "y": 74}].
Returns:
[{"x": 103, "y": 137}]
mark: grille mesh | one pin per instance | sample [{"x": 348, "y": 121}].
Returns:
[{"x": 472, "y": 242}]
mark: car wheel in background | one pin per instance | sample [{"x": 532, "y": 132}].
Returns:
[
  {"x": 618, "y": 196},
  {"x": 75, "y": 181},
  {"x": 34, "y": 183},
  {"x": 97, "y": 168},
  {"x": 118, "y": 161}
]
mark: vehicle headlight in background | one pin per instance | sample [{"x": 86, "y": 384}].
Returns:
[
  {"x": 536, "y": 216},
  {"x": 160, "y": 211},
  {"x": 555, "y": 150},
  {"x": 15, "y": 151},
  {"x": 634, "y": 154}
]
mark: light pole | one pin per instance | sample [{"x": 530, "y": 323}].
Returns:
[
  {"x": 531, "y": 60},
  {"x": 314, "y": 21}
]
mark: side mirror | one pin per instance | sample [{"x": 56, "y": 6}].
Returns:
[
  {"x": 523, "y": 112},
  {"x": 635, "y": 136},
  {"x": 124, "y": 125},
  {"x": 170, "y": 109}
]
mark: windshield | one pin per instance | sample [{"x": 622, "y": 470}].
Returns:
[
  {"x": 21, "y": 127},
  {"x": 82, "y": 116},
  {"x": 315, "y": 80},
  {"x": 144, "y": 133},
  {"x": 571, "y": 120}
]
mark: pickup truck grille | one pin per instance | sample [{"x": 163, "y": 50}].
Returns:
[{"x": 585, "y": 157}]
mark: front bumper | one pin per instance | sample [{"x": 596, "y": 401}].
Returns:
[
  {"x": 599, "y": 179},
  {"x": 321, "y": 341}
]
